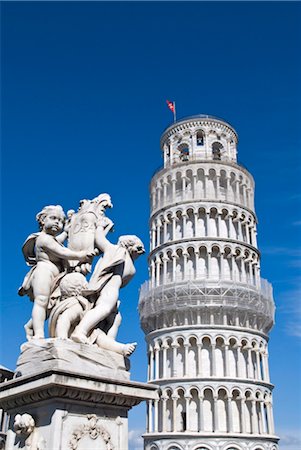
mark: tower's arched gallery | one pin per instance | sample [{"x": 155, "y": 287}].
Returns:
[{"x": 205, "y": 310}]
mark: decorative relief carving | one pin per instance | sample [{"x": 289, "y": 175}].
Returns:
[{"x": 93, "y": 429}]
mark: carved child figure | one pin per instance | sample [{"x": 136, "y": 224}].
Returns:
[
  {"x": 112, "y": 272},
  {"x": 49, "y": 258}
]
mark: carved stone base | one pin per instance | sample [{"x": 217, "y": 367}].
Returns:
[
  {"x": 43, "y": 354},
  {"x": 60, "y": 409}
]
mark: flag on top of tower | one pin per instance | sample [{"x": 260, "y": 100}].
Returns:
[{"x": 171, "y": 105}]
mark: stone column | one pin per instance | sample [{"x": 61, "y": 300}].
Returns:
[
  {"x": 164, "y": 406},
  {"x": 201, "y": 414},
  {"x": 218, "y": 191},
  {"x": 150, "y": 416},
  {"x": 215, "y": 415},
  {"x": 164, "y": 192},
  {"x": 227, "y": 189},
  {"x": 195, "y": 224},
  {"x": 266, "y": 367},
  {"x": 174, "y": 412},
  {"x": 207, "y": 224},
  {"x": 199, "y": 366},
  {"x": 254, "y": 417},
  {"x": 153, "y": 273},
  {"x": 209, "y": 265},
  {"x": 240, "y": 236},
  {"x": 226, "y": 349},
  {"x": 158, "y": 263},
  {"x": 165, "y": 259},
  {"x": 250, "y": 365},
  {"x": 184, "y": 218},
  {"x": 158, "y": 223},
  {"x": 229, "y": 414},
  {"x": 239, "y": 358},
  {"x": 173, "y": 181},
  {"x": 194, "y": 185},
  {"x": 156, "y": 349},
  {"x": 205, "y": 185},
  {"x": 244, "y": 194},
  {"x": 164, "y": 229},
  {"x": 261, "y": 425},
  {"x": 156, "y": 416},
  {"x": 174, "y": 264},
  {"x": 222, "y": 260},
  {"x": 197, "y": 264},
  {"x": 243, "y": 270},
  {"x": 232, "y": 257},
  {"x": 213, "y": 361},
  {"x": 153, "y": 242},
  {"x": 151, "y": 364},
  {"x": 183, "y": 186},
  {"x": 243, "y": 414},
  {"x": 185, "y": 257},
  {"x": 258, "y": 372},
  {"x": 219, "y": 224},
  {"x": 174, "y": 224},
  {"x": 187, "y": 404},
  {"x": 237, "y": 196},
  {"x": 186, "y": 350},
  {"x": 174, "y": 358},
  {"x": 164, "y": 358},
  {"x": 262, "y": 417}
]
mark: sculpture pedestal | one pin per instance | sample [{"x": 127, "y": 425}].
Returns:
[{"x": 71, "y": 410}]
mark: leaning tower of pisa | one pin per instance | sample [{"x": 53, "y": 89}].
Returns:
[{"x": 205, "y": 311}]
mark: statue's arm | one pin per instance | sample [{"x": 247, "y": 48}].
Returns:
[
  {"x": 50, "y": 245},
  {"x": 62, "y": 237},
  {"x": 101, "y": 242}
]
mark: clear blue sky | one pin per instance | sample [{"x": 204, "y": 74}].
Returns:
[{"x": 84, "y": 86}]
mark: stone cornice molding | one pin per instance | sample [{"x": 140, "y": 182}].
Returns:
[
  {"x": 201, "y": 162},
  {"x": 201, "y": 204},
  {"x": 70, "y": 386},
  {"x": 211, "y": 241},
  {"x": 233, "y": 209},
  {"x": 235, "y": 438}
]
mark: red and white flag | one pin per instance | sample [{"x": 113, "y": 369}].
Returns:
[{"x": 171, "y": 105}]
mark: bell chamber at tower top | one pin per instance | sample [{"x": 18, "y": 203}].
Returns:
[{"x": 197, "y": 138}]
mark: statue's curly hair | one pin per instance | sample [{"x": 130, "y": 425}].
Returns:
[
  {"x": 45, "y": 211},
  {"x": 129, "y": 240}
]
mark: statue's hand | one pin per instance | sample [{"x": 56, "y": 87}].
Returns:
[{"x": 85, "y": 256}]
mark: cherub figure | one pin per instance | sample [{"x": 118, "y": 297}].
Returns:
[
  {"x": 112, "y": 272},
  {"x": 72, "y": 307},
  {"x": 49, "y": 258}
]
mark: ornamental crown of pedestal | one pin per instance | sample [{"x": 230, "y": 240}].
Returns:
[{"x": 200, "y": 137}]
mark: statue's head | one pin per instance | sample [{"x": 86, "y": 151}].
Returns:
[
  {"x": 133, "y": 244},
  {"x": 51, "y": 219},
  {"x": 72, "y": 284}
]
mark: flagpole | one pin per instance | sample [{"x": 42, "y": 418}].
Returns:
[{"x": 174, "y": 112}]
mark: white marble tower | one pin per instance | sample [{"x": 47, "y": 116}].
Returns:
[{"x": 205, "y": 311}]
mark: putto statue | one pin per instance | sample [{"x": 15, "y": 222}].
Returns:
[{"x": 85, "y": 311}]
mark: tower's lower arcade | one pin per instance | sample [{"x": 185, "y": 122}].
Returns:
[{"x": 208, "y": 354}]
